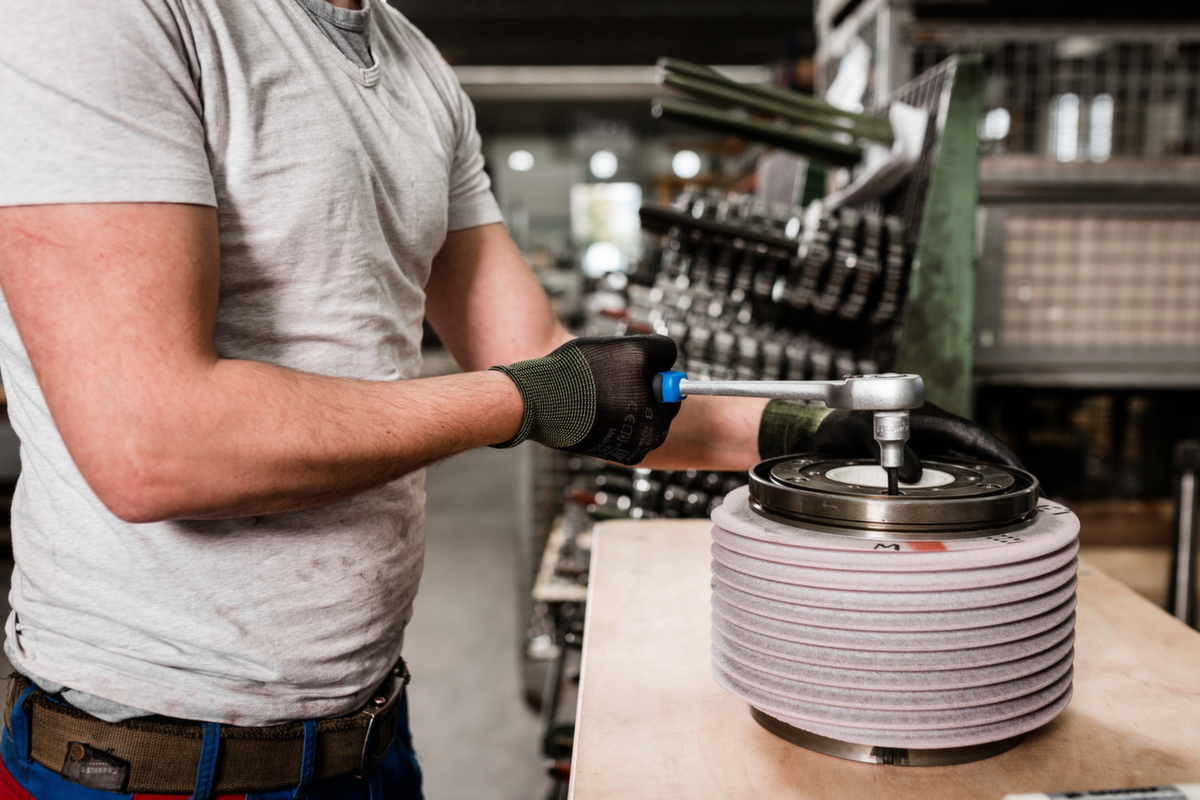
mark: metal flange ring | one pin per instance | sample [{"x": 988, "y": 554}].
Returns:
[
  {"x": 892, "y": 756},
  {"x": 971, "y": 499}
]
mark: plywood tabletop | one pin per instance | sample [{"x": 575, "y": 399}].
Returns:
[{"x": 654, "y": 724}]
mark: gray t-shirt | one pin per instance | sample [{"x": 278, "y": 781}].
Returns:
[
  {"x": 334, "y": 186},
  {"x": 346, "y": 27}
]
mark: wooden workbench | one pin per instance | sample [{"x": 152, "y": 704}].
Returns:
[{"x": 654, "y": 724}]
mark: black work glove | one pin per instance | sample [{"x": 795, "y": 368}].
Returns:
[
  {"x": 595, "y": 396},
  {"x": 788, "y": 427}
]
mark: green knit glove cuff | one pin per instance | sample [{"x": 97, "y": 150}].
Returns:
[
  {"x": 788, "y": 427},
  {"x": 559, "y": 394}
]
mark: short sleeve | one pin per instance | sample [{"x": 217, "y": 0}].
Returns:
[
  {"x": 471, "y": 200},
  {"x": 99, "y": 103}
]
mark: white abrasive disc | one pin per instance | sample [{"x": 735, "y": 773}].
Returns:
[
  {"x": 876, "y": 640},
  {"x": 893, "y": 641},
  {"x": 885, "y": 700},
  {"x": 868, "y": 600},
  {"x": 900, "y": 721},
  {"x": 958, "y": 619},
  {"x": 774, "y": 566},
  {"x": 874, "y": 476},
  {"x": 893, "y": 680},
  {"x": 900, "y": 660}
]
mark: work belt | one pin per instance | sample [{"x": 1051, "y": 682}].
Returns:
[{"x": 156, "y": 757}]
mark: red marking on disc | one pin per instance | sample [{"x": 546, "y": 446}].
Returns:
[{"x": 926, "y": 547}]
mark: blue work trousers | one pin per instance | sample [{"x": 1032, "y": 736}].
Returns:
[{"x": 398, "y": 777}]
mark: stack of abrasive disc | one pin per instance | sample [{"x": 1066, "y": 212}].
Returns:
[{"x": 933, "y": 627}]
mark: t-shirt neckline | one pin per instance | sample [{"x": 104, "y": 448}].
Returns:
[{"x": 367, "y": 76}]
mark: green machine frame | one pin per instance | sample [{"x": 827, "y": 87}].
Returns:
[{"x": 934, "y": 337}]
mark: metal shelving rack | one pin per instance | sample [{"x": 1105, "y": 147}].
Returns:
[{"x": 1089, "y": 187}]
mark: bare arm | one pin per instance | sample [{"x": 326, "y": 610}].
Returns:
[
  {"x": 482, "y": 277},
  {"x": 718, "y": 433},
  {"x": 486, "y": 304},
  {"x": 116, "y": 305}
]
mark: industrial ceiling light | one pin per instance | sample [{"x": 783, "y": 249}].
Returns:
[
  {"x": 686, "y": 164},
  {"x": 996, "y": 125},
  {"x": 603, "y": 164},
  {"x": 520, "y": 161},
  {"x": 1101, "y": 128},
  {"x": 1065, "y": 121}
]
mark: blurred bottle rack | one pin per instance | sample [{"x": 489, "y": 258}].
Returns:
[{"x": 1088, "y": 256}]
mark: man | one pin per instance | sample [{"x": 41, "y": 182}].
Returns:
[{"x": 221, "y": 227}]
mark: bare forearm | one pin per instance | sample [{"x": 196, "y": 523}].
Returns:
[
  {"x": 717, "y": 433},
  {"x": 116, "y": 305},
  {"x": 486, "y": 304},
  {"x": 251, "y": 438}
]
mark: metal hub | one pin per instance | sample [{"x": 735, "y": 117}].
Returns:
[
  {"x": 892, "y": 756},
  {"x": 972, "y": 498}
]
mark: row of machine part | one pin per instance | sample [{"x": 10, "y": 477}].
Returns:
[
  {"x": 714, "y": 348},
  {"x": 607, "y": 491},
  {"x": 848, "y": 264}
]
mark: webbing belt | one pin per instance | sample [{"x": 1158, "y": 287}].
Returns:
[{"x": 163, "y": 757}]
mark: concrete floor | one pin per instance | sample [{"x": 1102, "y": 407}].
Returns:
[{"x": 475, "y": 738}]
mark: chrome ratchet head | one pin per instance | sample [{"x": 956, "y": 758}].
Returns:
[{"x": 890, "y": 396}]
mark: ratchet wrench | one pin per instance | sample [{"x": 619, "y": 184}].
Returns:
[{"x": 889, "y": 396}]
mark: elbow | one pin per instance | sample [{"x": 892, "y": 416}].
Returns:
[
  {"x": 129, "y": 500},
  {"x": 134, "y": 489},
  {"x": 135, "y": 508}
]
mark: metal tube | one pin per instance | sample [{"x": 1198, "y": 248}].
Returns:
[
  {"x": 734, "y": 94},
  {"x": 783, "y": 390},
  {"x": 801, "y": 101},
  {"x": 886, "y": 392},
  {"x": 1181, "y": 593},
  {"x": 663, "y": 219},
  {"x": 813, "y": 145}
]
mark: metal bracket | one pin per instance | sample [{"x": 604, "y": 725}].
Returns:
[{"x": 384, "y": 712}]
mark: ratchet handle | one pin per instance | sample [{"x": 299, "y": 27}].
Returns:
[
  {"x": 888, "y": 392},
  {"x": 667, "y": 386}
]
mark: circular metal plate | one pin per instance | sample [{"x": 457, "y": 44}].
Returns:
[
  {"x": 831, "y": 476},
  {"x": 892, "y": 756},
  {"x": 980, "y": 498}
]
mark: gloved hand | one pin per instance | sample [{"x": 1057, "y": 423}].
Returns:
[
  {"x": 789, "y": 427},
  {"x": 594, "y": 396}
]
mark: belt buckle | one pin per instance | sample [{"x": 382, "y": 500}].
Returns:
[{"x": 383, "y": 710}]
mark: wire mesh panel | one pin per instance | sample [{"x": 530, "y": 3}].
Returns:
[
  {"x": 1101, "y": 279},
  {"x": 926, "y": 92},
  {"x": 1102, "y": 287},
  {"x": 1082, "y": 98},
  {"x": 1090, "y": 295}
]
